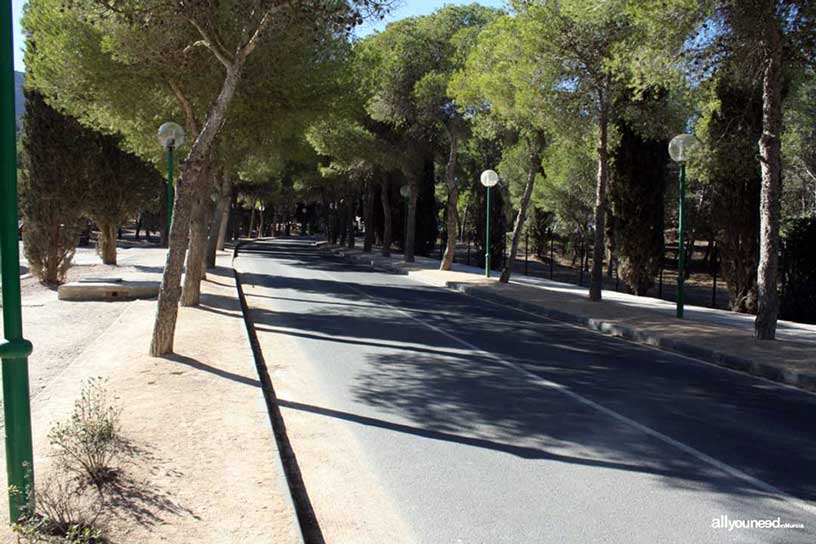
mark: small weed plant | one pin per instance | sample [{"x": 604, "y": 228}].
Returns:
[
  {"x": 70, "y": 502},
  {"x": 89, "y": 442}
]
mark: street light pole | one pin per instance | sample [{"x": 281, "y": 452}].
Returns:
[
  {"x": 488, "y": 179},
  {"x": 14, "y": 349},
  {"x": 170, "y": 136},
  {"x": 170, "y": 191},
  {"x": 681, "y": 241},
  {"x": 487, "y": 237},
  {"x": 680, "y": 150}
]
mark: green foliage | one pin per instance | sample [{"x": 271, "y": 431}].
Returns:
[
  {"x": 540, "y": 231},
  {"x": 51, "y": 189},
  {"x": 117, "y": 185},
  {"x": 504, "y": 81},
  {"x": 127, "y": 68},
  {"x": 636, "y": 199},
  {"x": 799, "y": 148},
  {"x": 799, "y": 272},
  {"x": 568, "y": 192},
  {"x": 732, "y": 180}
]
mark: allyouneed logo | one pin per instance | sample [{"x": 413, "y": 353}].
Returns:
[{"x": 724, "y": 522}]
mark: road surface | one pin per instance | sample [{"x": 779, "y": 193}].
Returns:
[{"x": 484, "y": 424}]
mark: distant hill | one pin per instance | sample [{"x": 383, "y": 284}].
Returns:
[{"x": 19, "y": 106}]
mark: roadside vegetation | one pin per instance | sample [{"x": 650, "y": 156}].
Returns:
[
  {"x": 71, "y": 501},
  {"x": 296, "y": 125}
]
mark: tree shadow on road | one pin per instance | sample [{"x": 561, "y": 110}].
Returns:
[{"x": 424, "y": 365}]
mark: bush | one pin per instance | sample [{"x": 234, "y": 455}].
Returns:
[
  {"x": 540, "y": 229},
  {"x": 799, "y": 272},
  {"x": 51, "y": 189},
  {"x": 68, "y": 512},
  {"x": 89, "y": 442},
  {"x": 71, "y": 501}
]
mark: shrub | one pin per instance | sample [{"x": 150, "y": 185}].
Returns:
[
  {"x": 51, "y": 189},
  {"x": 88, "y": 443},
  {"x": 799, "y": 272},
  {"x": 68, "y": 512}
]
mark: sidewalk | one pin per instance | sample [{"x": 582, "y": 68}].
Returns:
[
  {"x": 206, "y": 467},
  {"x": 716, "y": 336}
]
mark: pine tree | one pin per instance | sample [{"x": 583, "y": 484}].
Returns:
[{"x": 51, "y": 190}]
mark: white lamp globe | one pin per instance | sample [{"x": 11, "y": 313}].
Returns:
[
  {"x": 682, "y": 147},
  {"x": 489, "y": 178},
  {"x": 405, "y": 191},
  {"x": 171, "y": 135}
]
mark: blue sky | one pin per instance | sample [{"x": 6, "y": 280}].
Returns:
[
  {"x": 411, "y": 8},
  {"x": 17, "y": 14},
  {"x": 407, "y": 8}
]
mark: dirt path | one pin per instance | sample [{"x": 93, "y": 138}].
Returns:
[{"x": 202, "y": 465}]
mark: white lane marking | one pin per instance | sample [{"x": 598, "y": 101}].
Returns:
[{"x": 724, "y": 467}]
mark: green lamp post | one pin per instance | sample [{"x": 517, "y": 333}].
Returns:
[
  {"x": 405, "y": 192},
  {"x": 171, "y": 135},
  {"x": 489, "y": 179},
  {"x": 14, "y": 349},
  {"x": 680, "y": 150}
]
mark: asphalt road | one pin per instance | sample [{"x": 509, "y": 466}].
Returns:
[{"x": 486, "y": 424}]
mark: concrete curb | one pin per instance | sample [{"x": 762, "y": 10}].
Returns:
[{"x": 801, "y": 380}]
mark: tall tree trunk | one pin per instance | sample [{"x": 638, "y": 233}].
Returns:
[
  {"x": 350, "y": 216},
  {"x": 463, "y": 224},
  {"x": 324, "y": 213},
  {"x": 251, "y": 221},
  {"x": 533, "y": 168},
  {"x": 596, "y": 284},
  {"x": 107, "y": 242},
  {"x": 385, "y": 199},
  {"x": 410, "y": 236},
  {"x": 216, "y": 222},
  {"x": 611, "y": 250},
  {"x": 770, "y": 196},
  {"x": 218, "y": 226},
  {"x": 368, "y": 216},
  {"x": 453, "y": 204},
  {"x": 340, "y": 221},
  {"x": 229, "y": 218},
  {"x": 194, "y": 273},
  {"x": 191, "y": 182},
  {"x": 261, "y": 217}
]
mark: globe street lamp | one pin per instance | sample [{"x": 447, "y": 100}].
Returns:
[
  {"x": 489, "y": 179},
  {"x": 405, "y": 192},
  {"x": 171, "y": 135},
  {"x": 681, "y": 148},
  {"x": 14, "y": 349}
]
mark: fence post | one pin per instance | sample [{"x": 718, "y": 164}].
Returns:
[
  {"x": 581, "y": 265},
  {"x": 526, "y": 249},
  {"x": 660, "y": 284},
  {"x": 552, "y": 252}
]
